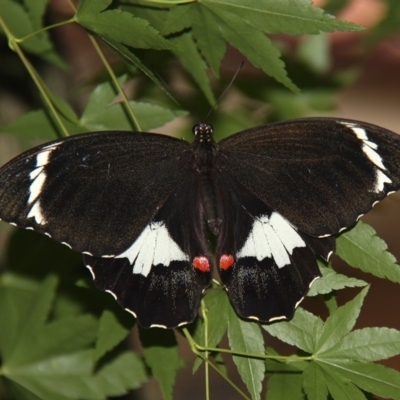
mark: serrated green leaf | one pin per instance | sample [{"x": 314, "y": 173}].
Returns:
[
  {"x": 12, "y": 304},
  {"x": 125, "y": 372},
  {"x": 71, "y": 376},
  {"x": 19, "y": 23},
  {"x": 208, "y": 37},
  {"x": 372, "y": 378},
  {"x": 130, "y": 57},
  {"x": 194, "y": 63},
  {"x": 362, "y": 248},
  {"x": 162, "y": 356},
  {"x": 36, "y": 10},
  {"x": 339, "y": 386},
  {"x": 368, "y": 344},
  {"x": 120, "y": 26},
  {"x": 246, "y": 337},
  {"x": 314, "y": 382},
  {"x": 179, "y": 18},
  {"x": 60, "y": 337},
  {"x": 340, "y": 323},
  {"x": 292, "y": 17},
  {"x": 285, "y": 386},
  {"x": 217, "y": 304},
  {"x": 65, "y": 375},
  {"x": 300, "y": 331},
  {"x": 111, "y": 332},
  {"x": 331, "y": 281},
  {"x": 100, "y": 114},
  {"x": 254, "y": 45},
  {"x": 31, "y": 320},
  {"x": 36, "y": 125},
  {"x": 18, "y": 392}
]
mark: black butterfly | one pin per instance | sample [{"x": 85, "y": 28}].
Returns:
[{"x": 140, "y": 207}]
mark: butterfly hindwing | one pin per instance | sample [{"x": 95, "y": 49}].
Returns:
[
  {"x": 161, "y": 276},
  {"x": 271, "y": 265}
]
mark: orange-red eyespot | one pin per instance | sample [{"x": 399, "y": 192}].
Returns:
[
  {"x": 201, "y": 263},
  {"x": 226, "y": 261}
]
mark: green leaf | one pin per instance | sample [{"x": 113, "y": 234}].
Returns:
[
  {"x": 314, "y": 382},
  {"x": 111, "y": 333},
  {"x": 194, "y": 63},
  {"x": 35, "y": 125},
  {"x": 179, "y": 18},
  {"x": 246, "y": 337},
  {"x": 125, "y": 372},
  {"x": 292, "y": 17},
  {"x": 162, "y": 356},
  {"x": 362, "y": 248},
  {"x": 120, "y": 26},
  {"x": 285, "y": 386},
  {"x": 373, "y": 378},
  {"x": 253, "y": 44},
  {"x": 130, "y": 57},
  {"x": 300, "y": 331},
  {"x": 340, "y": 323},
  {"x": 101, "y": 114},
  {"x": 368, "y": 344},
  {"x": 52, "y": 360},
  {"x": 17, "y": 391},
  {"x": 64, "y": 376},
  {"x": 210, "y": 41},
  {"x": 22, "y": 23},
  {"x": 331, "y": 281},
  {"x": 217, "y": 304},
  {"x": 339, "y": 386},
  {"x": 31, "y": 319},
  {"x": 36, "y": 10}
]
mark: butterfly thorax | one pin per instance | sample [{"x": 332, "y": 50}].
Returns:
[{"x": 204, "y": 148}]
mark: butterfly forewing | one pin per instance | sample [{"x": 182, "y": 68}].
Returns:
[
  {"x": 94, "y": 192},
  {"x": 321, "y": 173}
]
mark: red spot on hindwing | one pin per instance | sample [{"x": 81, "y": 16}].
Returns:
[
  {"x": 226, "y": 261},
  {"x": 201, "y": 263}
]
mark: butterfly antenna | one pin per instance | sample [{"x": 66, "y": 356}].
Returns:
[{"x": 226, "y": 89}]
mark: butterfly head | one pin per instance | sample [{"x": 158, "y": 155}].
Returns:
[{"x": 203, "y": 132}]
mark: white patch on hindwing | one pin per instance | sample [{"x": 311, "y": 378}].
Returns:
[
  {"x": 153, "y": 246},
  {"x": 370, "y": 150},
  {"x": 38, "y": 178},
  {"x": 271, "y": 236}
]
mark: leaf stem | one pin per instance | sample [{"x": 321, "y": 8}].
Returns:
[
  {"x": 46, "y": 28},
  {"x": 206, "y": 367},
  {"x": 14, "y": 46},
  {"x": 198, "y": 353},
  {"x": 114, "y": 79}
]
